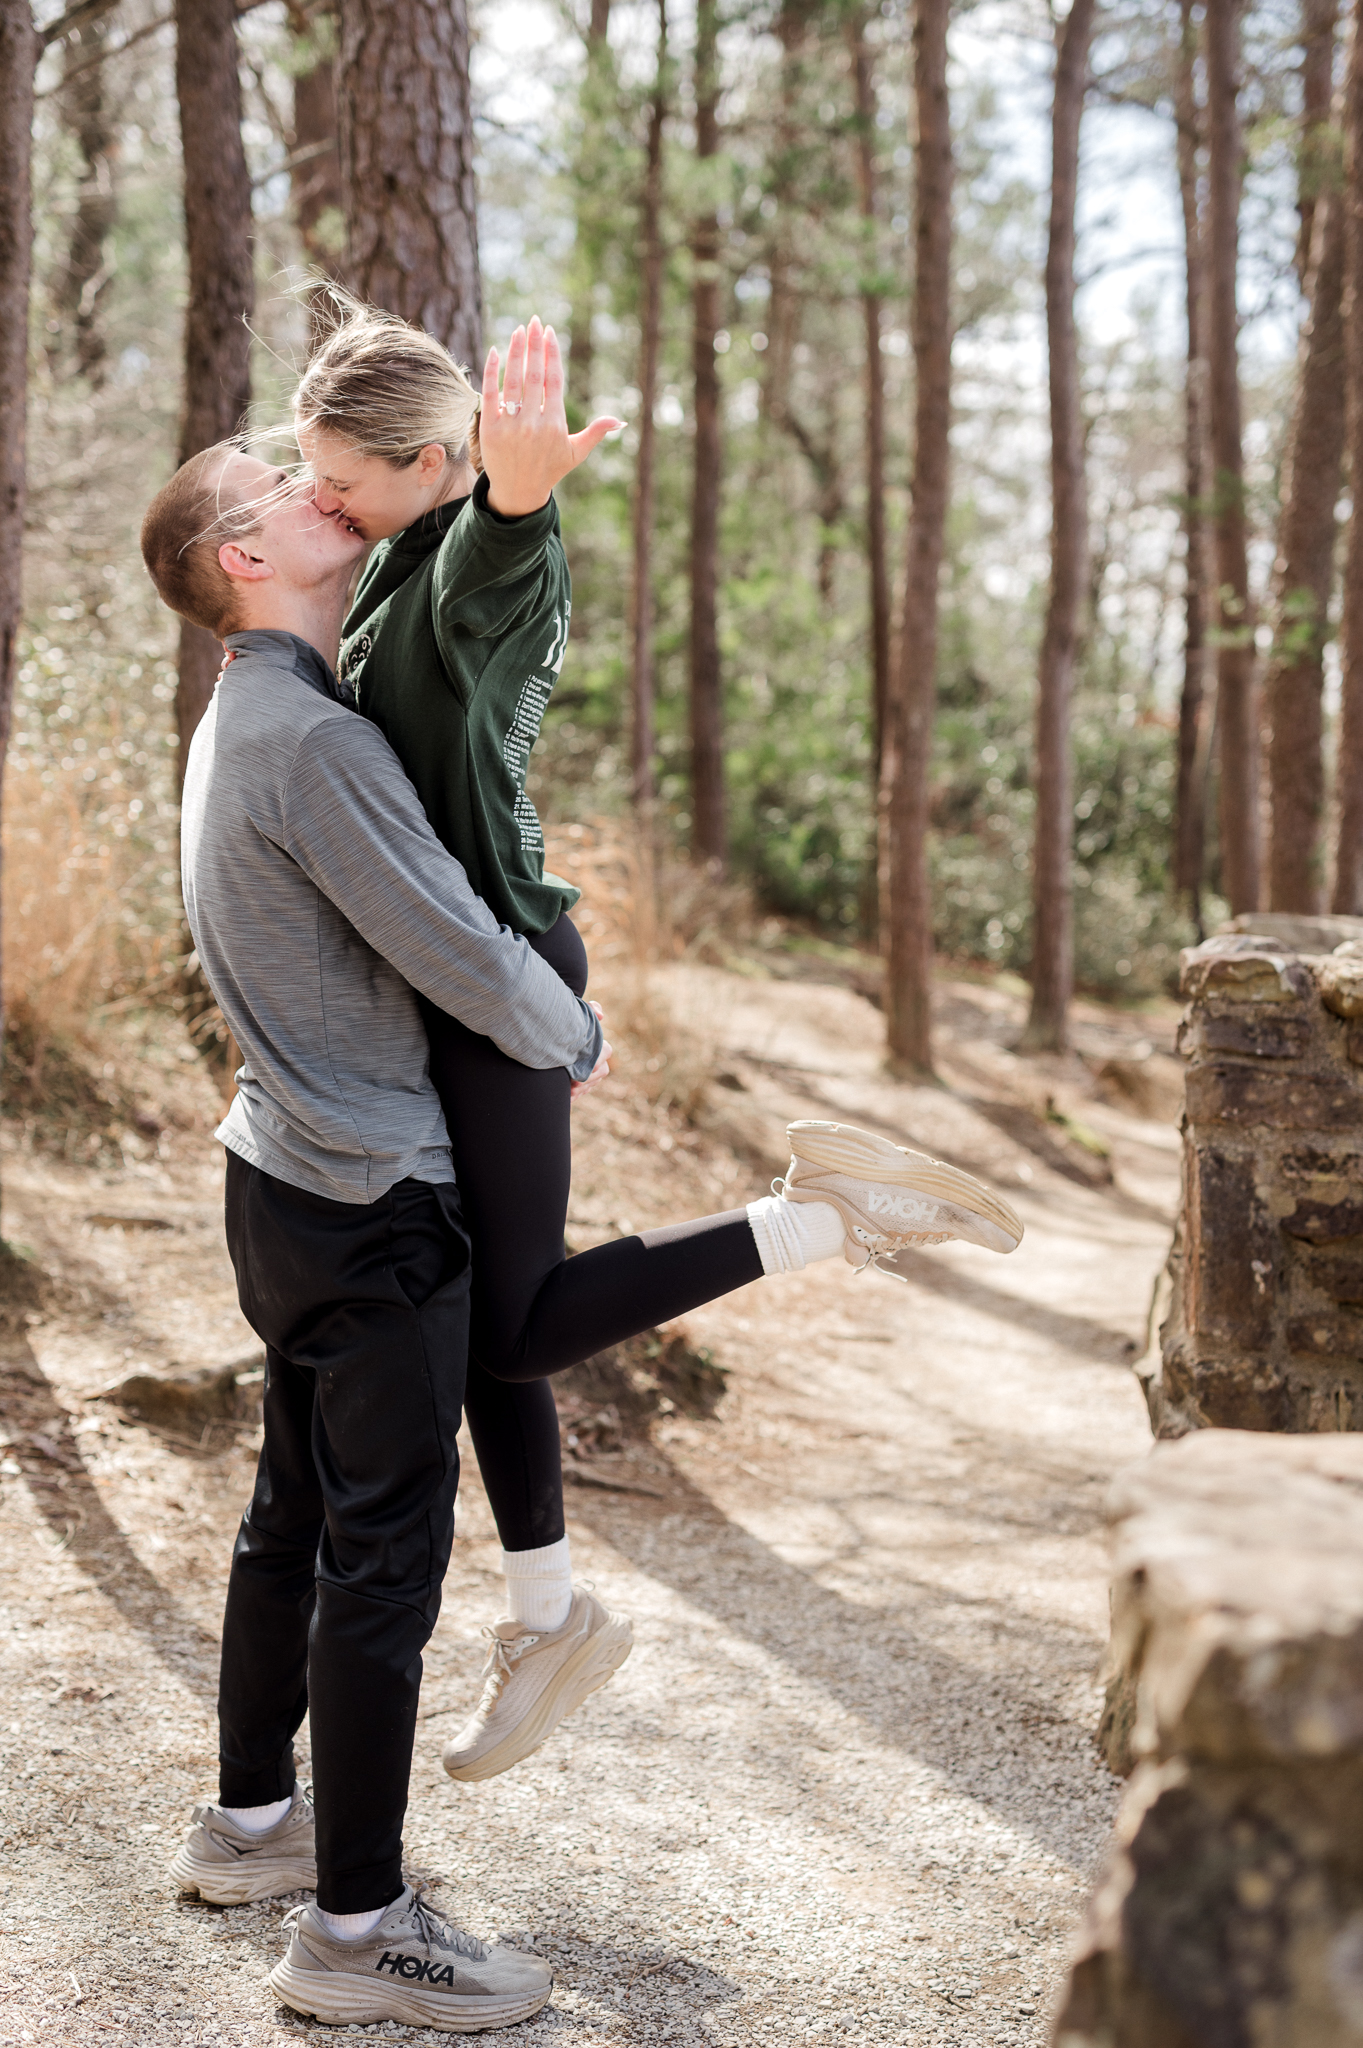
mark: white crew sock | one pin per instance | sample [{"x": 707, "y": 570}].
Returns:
[
  {"x": 539, "y": 1584},
  {"x": 792, "y": 1235},
  {"x": 350, "y": 1926},
  {"x": 255, "y": 1820}
]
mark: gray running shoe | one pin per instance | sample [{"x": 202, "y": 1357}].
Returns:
[
  {"x": 889, "y": 1197},
  {"x": 227, "y": 1866},
  {"x": 411, "y": 1968},
  {"x": 533, "y": 1679}
]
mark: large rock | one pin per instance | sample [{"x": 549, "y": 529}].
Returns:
[
  {"x": 1229, "y": 1913},
  {"x": 187, "y": 1402},
  {"x": 1264, "y": 1323}
]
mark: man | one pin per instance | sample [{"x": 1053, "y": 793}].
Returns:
[{"x": 320, "y": 902}]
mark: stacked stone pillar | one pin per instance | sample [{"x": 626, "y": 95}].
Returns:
[
  {"x": 1229, "y": 1911},
  {"x": 1264, "y": 1289}
]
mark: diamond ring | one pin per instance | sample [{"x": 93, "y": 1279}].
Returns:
[{"x": 511, "y": 405}]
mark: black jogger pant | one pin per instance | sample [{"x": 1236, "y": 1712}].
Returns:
[
  {"x": 336, "y": 1574},
  {"x": 535, "y": 1311}
]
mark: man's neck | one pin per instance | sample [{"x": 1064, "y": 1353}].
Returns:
[{"x": 313, "y": 616}]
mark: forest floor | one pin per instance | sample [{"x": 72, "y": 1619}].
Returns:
[{"x": 846, "y": 1785}]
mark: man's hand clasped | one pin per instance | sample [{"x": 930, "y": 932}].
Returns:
[{"x": 603, "y": 1064}]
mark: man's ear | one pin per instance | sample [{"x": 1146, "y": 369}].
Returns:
[{"x": 238, "y": 561}]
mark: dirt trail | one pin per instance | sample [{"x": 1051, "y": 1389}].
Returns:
[{"x": 844, "y": 1788}]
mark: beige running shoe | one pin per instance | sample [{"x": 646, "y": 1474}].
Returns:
[
  {"x": 228, "y": 1867},
  {"x": 889, "y": 1197},
  {"x": 533, "y": 1679},
  {"x": 411, "y": 1968}
]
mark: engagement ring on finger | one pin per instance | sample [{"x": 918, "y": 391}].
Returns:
[{"x": 511, "y": 405}]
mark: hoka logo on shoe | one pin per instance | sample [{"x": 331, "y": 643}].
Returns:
[
  {"x": 904, "y": 1207},
  {"x": 419, "y": 1968}
]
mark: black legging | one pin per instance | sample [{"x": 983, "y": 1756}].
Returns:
[{"x": 535, "y": 1311}]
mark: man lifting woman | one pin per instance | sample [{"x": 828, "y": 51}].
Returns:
[{"x": 364, "y": 879}]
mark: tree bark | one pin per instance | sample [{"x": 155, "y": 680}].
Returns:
[
  {"x": 783, "y": 304},
  {"x": 1236, "y": 707},
  {"x": 19, "y": 50},
  {"x": 217, "y": 391},
  {"x": 1315, "y": 156},
  {"x": 597, "y": 89},
  {"x": 709, "y": 830},
  {"x": 315, "y": 186},
  {"x": 907, "y": 912},
  {"x": 406, "y": 137},
  {"x": 863, "y": 74},
  {"x": 642, "y": 742},
  {"x": 1193, "y": 721},
  {"x": 1304, "y": 573},
  {"x": 87, "y": 271},
  {"x": 1052, "y": 887},
  {"x": 1348, "y": 889}
]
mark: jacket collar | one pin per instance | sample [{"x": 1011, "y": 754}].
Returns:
[{"x": 286, "y": 650}]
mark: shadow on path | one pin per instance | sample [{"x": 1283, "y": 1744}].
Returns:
[
  {"x": 1059, "y": 1326},
  {"x": 937, "y": 1707},
  {"x": 66, "y": 1497}
]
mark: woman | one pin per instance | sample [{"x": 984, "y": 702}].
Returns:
[{"x": 453, "y": 644}]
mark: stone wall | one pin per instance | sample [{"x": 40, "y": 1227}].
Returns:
[
  {"x": 1229, "y": 1913},
  {"x": 1260, "y": 1314}
]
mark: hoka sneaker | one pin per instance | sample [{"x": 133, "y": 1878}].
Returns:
[
  {"x": 227, "y": 1866},
  {"x": 411, "y": 1968},
  {"x": 533, "y": 1679},
  {"x": 889, "y": 1197}
]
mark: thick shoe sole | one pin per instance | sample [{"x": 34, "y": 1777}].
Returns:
[
  {"x": 586, "y": 1671},
  {"x": 842, "y": 1148},
  {"x": 237, "y": 1884},
  {"x": 342, "y": 2000}
]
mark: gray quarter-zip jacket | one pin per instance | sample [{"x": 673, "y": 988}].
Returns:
[{"x": 320, "y": 900}]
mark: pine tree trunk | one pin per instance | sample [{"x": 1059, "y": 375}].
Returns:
[
  {"x": 1193, "y": 719},
  {"x": 85, "y": 276},
  {"x": 217, "y": 390},
  {"x": 597, "y": 88},
  {"x": 406, "y": 136},
  {"x": 907, "y": 909},
  {"x": 1348, "y": 889},
  {"x": 783, "y": 302},
  {"x": 1304, "y": 573},
  {"x": 1315, "y": 155},
  {"x": 642, "y": 744},
  {"x": 863, "y": 74},
  {"x": 1052, "y": 887},
  {"x": 1235, "y": 692},
  {"x": 19, "y": 51},
  {"x": 315, "y": 185},
  {"x": 709, "y": 829}
]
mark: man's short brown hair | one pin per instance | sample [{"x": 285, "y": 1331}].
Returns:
[{"x": 186, "y": 523}]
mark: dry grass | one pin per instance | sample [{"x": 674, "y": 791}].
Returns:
[
  {"x": 635, "y": 911},
  {"x": 69, "y": 949},
  {"x": 96, "y": 1059}
]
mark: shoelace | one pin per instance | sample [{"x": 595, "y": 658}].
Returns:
[
  {"x": 500, "y": 1658},
  {"x": 888, "y": 1247},
  {"x": 426, "y": 1926},
  {"x": 438, "y": 1933}
]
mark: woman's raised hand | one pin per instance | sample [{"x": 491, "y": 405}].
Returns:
[{"x": 523, "y": 429}]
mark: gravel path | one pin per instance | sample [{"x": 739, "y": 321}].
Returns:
[{"x": 845, "y": 1787}]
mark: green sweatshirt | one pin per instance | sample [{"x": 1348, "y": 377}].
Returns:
[{"x": 452, "y": 647}]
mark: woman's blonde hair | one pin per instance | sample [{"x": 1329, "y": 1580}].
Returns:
[{"x": 384, "y": 387}]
